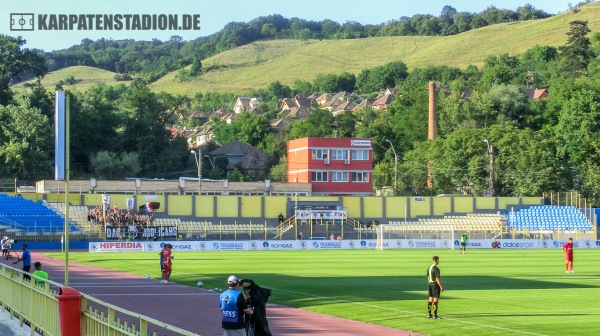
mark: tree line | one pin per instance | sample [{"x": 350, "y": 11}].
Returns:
[
  {"x": 153, "y": 59},
  {"x": 539, "y": 145}
]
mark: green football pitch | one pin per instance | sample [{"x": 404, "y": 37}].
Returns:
[{"x": 486, "y": 292}]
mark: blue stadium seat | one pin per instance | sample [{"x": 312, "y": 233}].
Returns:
[{"x": 31, "y": 216}]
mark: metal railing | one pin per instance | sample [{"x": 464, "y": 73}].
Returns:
[
  {"x": 101, "y": 318},
  {"x": 37, "y": 306}
]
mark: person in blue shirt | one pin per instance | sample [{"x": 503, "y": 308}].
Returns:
[
  {"x": 5, "y": 246},
  {"x": 233, "y": 307},
  {"x": 26, "y": 259}
]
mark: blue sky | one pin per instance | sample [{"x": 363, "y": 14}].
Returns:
[{"x": 214, "y": 15}]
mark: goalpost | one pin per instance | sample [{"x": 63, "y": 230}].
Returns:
[{"x": 412, "y": 232}]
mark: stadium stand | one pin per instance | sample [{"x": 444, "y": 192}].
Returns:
[
  {"x": 77, "y": 214},
  {"x": 549, "y": 218},
  {"x": 24, "y": 215},
  {"x": 477, "y": 225}
]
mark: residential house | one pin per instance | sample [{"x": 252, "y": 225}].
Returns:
[
  {"x": 199, "y": 117},
  {"x": 390, "y": 91},
  {"x": 299, "y": 113},
  {"x": 366, "y": 103},
  {"x": 287, "y": 103},
  {"x": 228, "y": 117},
  {"x": 382, "y": 102},
  {"x": 322, "y": 99},
  {"x": 247, "y": 104},
  {"x": 347, "y": 96},
  {"x": 333, "y": 104},
  {"x": 536, "y": 94},
  {"x": 311, "y": 97},
  {"x": 347, "y": 106},
  {"x": 204, "y": 134},
  {"x": 279, "y": 124},
  {"x": 250, "y": 160}
]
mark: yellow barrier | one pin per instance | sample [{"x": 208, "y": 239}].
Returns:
[
  {"x": 37, "y": 305},
  {"x": 101, "y": 318},
  {"x": 29, "y": 302}
]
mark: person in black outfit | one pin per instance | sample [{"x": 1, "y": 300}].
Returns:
[{"x": 435, "y": 288}]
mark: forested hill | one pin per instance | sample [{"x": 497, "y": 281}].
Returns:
[
  {"x": 155, "y": 58},
  {"x": 260, "y": 63}
]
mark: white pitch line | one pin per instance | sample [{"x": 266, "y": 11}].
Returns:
[
  {"x": 412, "y": 313},
  {"x": 147, "y": 294},
  {"x": 372, "y": 306},
  {"x": 117, "y": 286},
  {"x": 107, "y": 283}
]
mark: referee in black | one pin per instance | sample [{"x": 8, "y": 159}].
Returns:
[{"x": 435, "y": 288}]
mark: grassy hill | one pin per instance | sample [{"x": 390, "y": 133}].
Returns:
[
  {"x": 254, "y": 66},
  {"x": 257, "y": 65},
  {"x": 84, "y": 75}
]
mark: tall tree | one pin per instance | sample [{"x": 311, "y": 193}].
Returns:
[
  {"x": 25, "y": 141},
  {"x": 16, "y": 62},
  {"x": 576, "y": 53}
]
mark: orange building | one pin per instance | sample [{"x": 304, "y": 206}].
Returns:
[{"x": 333, "y": 166}]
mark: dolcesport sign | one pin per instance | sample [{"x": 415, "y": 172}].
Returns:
[{"x": 288, "y": 245}]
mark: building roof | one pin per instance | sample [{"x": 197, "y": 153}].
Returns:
[
  {"x": 301, "y": 102},
  {"x": 252, "y": 157},
  {"x": 298, "y": 112},
  {"x": 234, "y": 148},
  {"x": 333, "y": 103},
  {"x": 391, "y": 91},
  {"x": 536, "y": 94},
  {"x": 347, "y": 106},
  {"x": 363, "y": 104},
  {"x": 347, "y": 96},
  {"x": 281, "y": 123},
  {"x": 383, "y": 100},
  {"x": 200, "y": 115}
]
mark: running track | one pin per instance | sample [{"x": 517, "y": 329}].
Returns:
[{"x": 191, "y": 308}]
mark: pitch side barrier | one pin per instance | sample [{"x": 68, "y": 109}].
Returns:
[{"x": 356, "y": 244}]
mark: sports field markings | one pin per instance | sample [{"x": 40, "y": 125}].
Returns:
[
  {"x": 379, "y": 307},
  {"x": 411, "y": 312},
  {"x": 150, "y": 294}
]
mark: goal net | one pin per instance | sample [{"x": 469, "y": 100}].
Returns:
[{"x": 394, "y": 235}]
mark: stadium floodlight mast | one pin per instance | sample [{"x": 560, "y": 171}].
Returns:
[
  {"x": 198, "y": 157},
  {"x": 491, "y": 178}
]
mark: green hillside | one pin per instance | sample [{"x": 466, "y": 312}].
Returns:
[
  {"x": 84, "y": 75},
  {"x": 250, "y": 66},
  {"x": 256, "y": 65}
]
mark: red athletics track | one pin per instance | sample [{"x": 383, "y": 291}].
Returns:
[{"x": 191, "y": 308}]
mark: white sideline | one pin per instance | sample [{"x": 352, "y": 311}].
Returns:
[
  {"x": 401, "y": 311},
  {"x": 413, "y": 313}
]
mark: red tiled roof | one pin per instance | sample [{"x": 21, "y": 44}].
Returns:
[{"x": 384, "y": 100}]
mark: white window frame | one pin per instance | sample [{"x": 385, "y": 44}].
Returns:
[
  {"x": 364, "y": 154},
  {"x": 339, "y": 154},
  {"x": 365, "y": 177},
  {"x": 322, "y": 176},
  {"x": 319, "y": 154},
  {"x": 339, "y": 176}
]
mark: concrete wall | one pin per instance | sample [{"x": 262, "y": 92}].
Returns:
[{"x": 261, "y": 208}]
